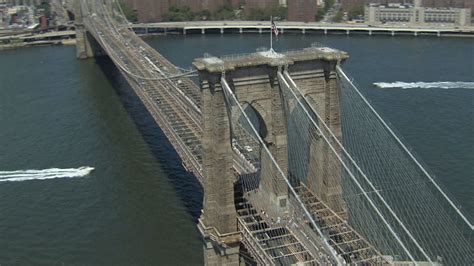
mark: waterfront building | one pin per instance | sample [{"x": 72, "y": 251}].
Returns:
[
  {"x": 197, "y": 6},
  {"x": 43, "y": 23},
  {"x": 22, "y": 2},
  {"x": 154, "y": 10},
  {"x": 302, "y": 10},
  {"x": 252, "y": 4},
  {"x": 347, "y": 5},
  {"x": 149, "y": 10},
  {"x": 416, "y": 15}
]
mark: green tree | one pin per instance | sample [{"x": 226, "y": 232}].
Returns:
[
  {"x": 129, "y": 13},
  {"x": 282, "y": 12},
  {"x": 327, "y": 5},
  {"x": 263, "y": 14},
  {"x": 322, "y": 11},
  {"x": 255, "y": 14},
  {"x": 202, "y": 15},
  {"x": 176, "y": 13},
  {"x": 355, "y": 12},
  {"x": 46, "y": 7},
  {"x": 319, "y": 14},
  {"x": 338, "y": 16},
  {"x": 226, "y": 12}
]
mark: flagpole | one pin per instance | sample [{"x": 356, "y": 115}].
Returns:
[{"x": 271, "y": 34}]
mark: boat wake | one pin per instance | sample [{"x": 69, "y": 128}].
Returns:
[
  {"x": 52, "y": 173},
  {"x": 426, "y": 85}
]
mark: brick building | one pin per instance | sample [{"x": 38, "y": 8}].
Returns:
[
  {"x": 198, "y": 5},
  {"x": 302, "y": 10},
  {"x": 416, "y": 15},
  {"x": 149, "y": 10},
  {"x": 347, "y": 4},
  {"x": 153, "y": 10},
  {"x": 249, "y": 4},
  {"x": 22, "y": 2}
]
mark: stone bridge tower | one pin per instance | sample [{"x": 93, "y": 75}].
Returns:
[{"x": 253, "y": 79}]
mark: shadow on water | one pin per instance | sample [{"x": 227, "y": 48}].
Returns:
[{"x": 186, "y": 184}]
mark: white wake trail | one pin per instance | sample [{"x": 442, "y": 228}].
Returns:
[
  {"x": 52, "y": 173},
  {"x": 426, "y": 85}
]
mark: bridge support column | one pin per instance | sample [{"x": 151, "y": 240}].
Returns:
[
  {"x": 317, "y": 81},
  {"x": 272, "y": 183},
  {"x": 218, "y": 222},
  {"x": 203, "y": 31},
  {"x": 222, "y": 30},
  {"x": 184, "y": 31},
  {"x": 348, "y": 32},
  {"x": 217, "y": 257},
  {"x": 83, "y": 45},
  {"x": 257, "y": 86},
  {"x": 303, "y": 31},
  {"x": 415, "y": 33},
  {"x": 393, "y": 33},
  {"x": 328, "y": 185},
  {"x": 325, "y": 31},
  {"x": 241, "y": 30},
  {"x": 370, "y": 33},
  {"x": 260, "y": 30}
]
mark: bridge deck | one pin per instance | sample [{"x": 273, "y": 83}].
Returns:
[
  {"x": 353, "y": 247},
  {"x": 173, "y": 103},
  {"x": 271, "y": 243}
]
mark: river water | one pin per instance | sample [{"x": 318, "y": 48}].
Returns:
[{"x": 138, "y": 206}]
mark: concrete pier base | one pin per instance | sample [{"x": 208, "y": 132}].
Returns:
[
  {"x": 220, "y": 256},
  {"x": 83, "y": 44},
  {"x": 219, "y": 249}
]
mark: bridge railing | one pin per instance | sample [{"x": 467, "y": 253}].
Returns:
[
  {"x": 252, "y": 243},
  {"x": 126, "y": 54}
]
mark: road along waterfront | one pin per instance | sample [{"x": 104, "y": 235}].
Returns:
[{"x": 240, "y": 27}]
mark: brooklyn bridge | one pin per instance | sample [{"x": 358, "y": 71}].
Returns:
[{"x": 296, "y": 165}]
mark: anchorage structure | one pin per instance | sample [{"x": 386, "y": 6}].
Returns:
[{"x": 296, "y": 165}]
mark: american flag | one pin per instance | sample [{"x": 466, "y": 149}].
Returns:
[{"x": 274, "y": 28}]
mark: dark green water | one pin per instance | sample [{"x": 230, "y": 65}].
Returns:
[{"x": 139, "y": 206}]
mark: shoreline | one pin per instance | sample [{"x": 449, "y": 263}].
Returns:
[
  {"x": 69, "y": 42},
  {"x": 422, "y": 35},
  {"x": 243, "y": 27},
  {"x": 261, "y": 27}
]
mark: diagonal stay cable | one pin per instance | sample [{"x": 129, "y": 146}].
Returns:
[{"x": 392, "y": 231}]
